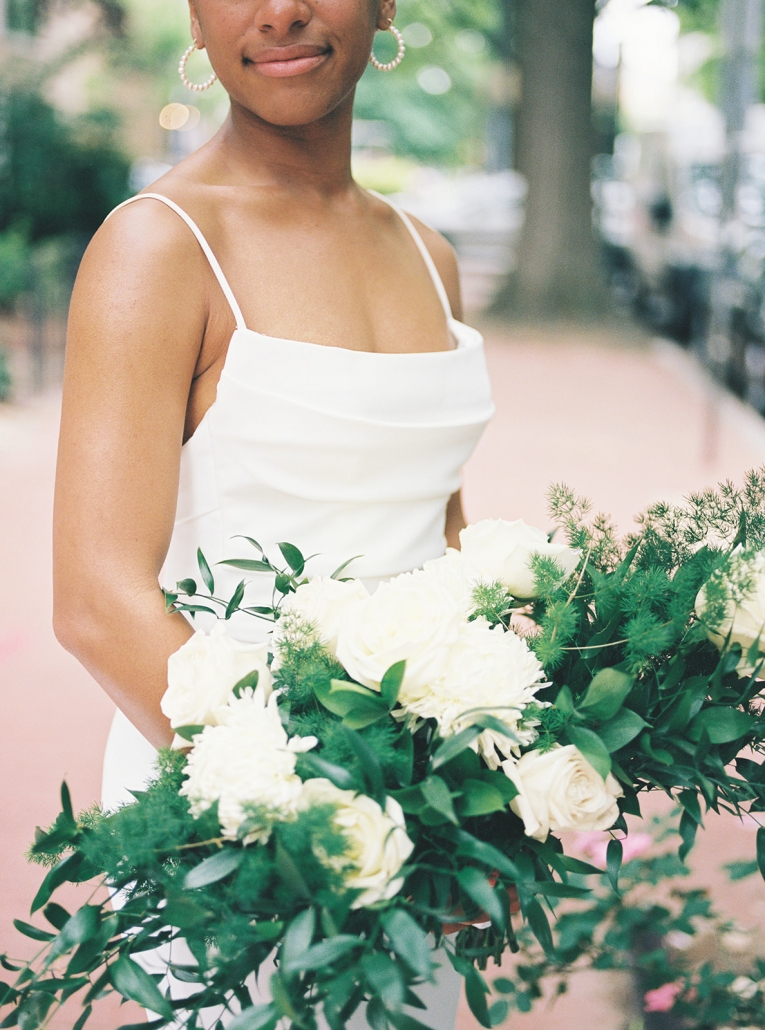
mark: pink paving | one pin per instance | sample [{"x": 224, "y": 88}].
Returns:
[{"x": 624, "y": 421}]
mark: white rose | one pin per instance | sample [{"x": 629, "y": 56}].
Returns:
[
  {"x": 316, "y": 610},
  {"x": 744, "y": 619},
  {"x": 202, "y": 674},
  {"x": 490, "y": 670},
  {"x": 745, "y": 988},
  {"x": 377, "y": 843},
  {"x": 559, "y": 790},
  {"x": 246, "y": 764},
  {"x": 497, "y": 551},
  {"x": 411, "y": 617}
]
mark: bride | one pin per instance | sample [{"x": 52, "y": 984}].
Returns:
[{"x": 257, "y": 347}]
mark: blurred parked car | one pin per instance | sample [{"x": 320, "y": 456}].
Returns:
[{"x": 657, "y": 210}]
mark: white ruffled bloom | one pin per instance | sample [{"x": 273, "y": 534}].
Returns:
[
  {"x": 203, "y": 672},
  {"x": 451, "y": 572},
  {"x": 246, "y": 764},
  {"x": 377, "y": 843},
  {"x": 559, "y": 790},
  {"x": 411, "y": 617},
  {"x": 498, "y": 551},
  {"x": 490, "y": 670},
  {"x": 744, "y": 619},
  {"x": 316, "y": 610}
]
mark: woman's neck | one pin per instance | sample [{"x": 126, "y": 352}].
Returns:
[{"x": 315, "y": 157}]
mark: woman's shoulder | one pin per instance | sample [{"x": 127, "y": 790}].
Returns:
[
  {"x": 146, "y": 241},
  {"x": 139, "y": 269},
  {"x": 441, "y": 251},
  {"x": 146, "y": 222},
  {"x": 445, "y": 259}
]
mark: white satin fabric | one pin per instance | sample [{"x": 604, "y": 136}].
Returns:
[{"x": 339, "y": 452}]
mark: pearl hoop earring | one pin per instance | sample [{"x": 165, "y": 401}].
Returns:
[
  {"x": 197, "y": 87},
  {"x": 397, "y": 59}
]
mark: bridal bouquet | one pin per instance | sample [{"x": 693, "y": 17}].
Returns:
[{"x": 396, "y": 765}]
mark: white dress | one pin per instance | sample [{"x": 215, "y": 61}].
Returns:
[{"x": 337, "y": 451}]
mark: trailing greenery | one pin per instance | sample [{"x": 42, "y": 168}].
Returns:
[
  {"x": 669, "y": 938},
  {"x": 635, "y": 688}
]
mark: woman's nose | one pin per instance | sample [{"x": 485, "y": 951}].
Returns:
[{"x": 280, "y": 16}]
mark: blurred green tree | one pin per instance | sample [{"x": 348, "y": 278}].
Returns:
[
  {"x": 436, "y": 102},
  {"x": 28, "y": 15},
  {"x": 59, "y": 176}
]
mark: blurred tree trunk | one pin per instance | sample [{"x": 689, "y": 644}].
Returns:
[{"x": 558, "y": 272}]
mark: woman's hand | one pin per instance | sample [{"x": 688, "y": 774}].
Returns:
[
  {"x": 455, "y": 520},
  {"x": 515, "y": 906}
]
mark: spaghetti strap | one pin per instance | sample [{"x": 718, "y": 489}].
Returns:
[
  {"x": 217, "y": 270},
  {"x": 430, "y": 263}
]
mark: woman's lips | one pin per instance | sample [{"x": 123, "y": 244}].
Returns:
[{"x": 285, "y": 61}]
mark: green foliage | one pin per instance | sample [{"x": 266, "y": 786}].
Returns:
[
  {"x": 632, "y": 682},
  {"x": 28, "y": 16},
  {"x": 650, "y": 929},
  {"x": 683, "y": 712},
  {"x": 6, "y": 383},
  {"x": 59, "y": 176},
  {"x": 14, "y": 266},
  {"x": 446, "y": 128}
]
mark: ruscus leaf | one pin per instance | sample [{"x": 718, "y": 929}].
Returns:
[
  {"x": 761, "y": 851},
  {"x": 204, "y": 571},
  {"x": 258, "y": 1017},
  {"x": 391, "y": 683},
  {"x": 438, "y": 796},
  {"x": 66, "y": 802},
  {"x": 298, "y": 937},
  {"x": 32, "y": 931},
  {"x": 454, "y": 746},
  {"x": 247, "y": 565},
  {"x": 722, "y": 725},
  {"x": 133, "y": 982},
  {"x": 479, "y": 890},
  {"x": 83, "y": 1018},
  {"x": 619, "y": 731},
  {"x": 293, "y": 557},
  {"x": 540, "y": 926},
  {"x": 575, "y": 865},
  {"x": 592, "y": 747},
  {"x": 479, "y": 798},
  {"x": 56, "y": 915},
  {"x": 235, "y": 600},
  {"x": 334, "y": 773},
  {"x": 688, "y": 827},
  {"x": 409, "y": 941},
  {"x": 606, "y": 694},
  {"x": 213, "y": 869},
  {"x": 475, "y": 993},
  {"x": 67, "y": 869},
  {"x": 614, "y": 856}
]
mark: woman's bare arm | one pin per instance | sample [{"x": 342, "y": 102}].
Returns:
[
  {"x": 135, "y": 328},
  {"x": 445, "y": 261}
]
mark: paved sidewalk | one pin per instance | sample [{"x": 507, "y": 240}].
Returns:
[{"x": 621, "y": 420}]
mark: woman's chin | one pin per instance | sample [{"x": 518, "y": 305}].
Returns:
[{"x": 295, "y": 108}]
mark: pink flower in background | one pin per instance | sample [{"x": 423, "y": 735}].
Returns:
[
  {"x": 595, "y": 845},
  {"x": 663, "y": 998}
]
